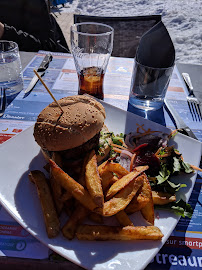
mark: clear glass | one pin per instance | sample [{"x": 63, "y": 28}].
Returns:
[
  {"x": 91, "y": 45},
  {"x": 11, "y": 81},
  {"x": 149, "y": 86}
]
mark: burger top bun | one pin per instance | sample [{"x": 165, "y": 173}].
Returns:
[{"x": 82, "y": 119}]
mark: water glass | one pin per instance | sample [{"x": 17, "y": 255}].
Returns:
[
  {"x": 149, "y": 86},
  {"x": 11, "y": 81},
  {"x": 91, "y": 45}
]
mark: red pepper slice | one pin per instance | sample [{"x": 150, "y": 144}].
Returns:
[{"x": 140, "y": 147}]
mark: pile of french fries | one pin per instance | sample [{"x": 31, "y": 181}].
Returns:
[{"x": 100, "y": 192}]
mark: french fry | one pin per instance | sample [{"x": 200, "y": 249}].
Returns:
[
  {"x": 78, "y": 215},
  {"x": 56, "y": 190},
  {"x": 148, "y": 210},
  {"x": 49, "y": 212},
  {"x": 161, "y": 198},
  {"x": 93, "y": 181},
  {"x": 102, "y": 166},
  {"x": 81, "y": 179},
  {"x": 108, "y": 179},
  {"x": 120, "y": 184},
  {"x": 138, "y": 202},
  {"x": 123, "y": 219},
  {"x": 124, "y": 181},
  {"x": 112, "y": 167},
  {"x": 101, "y": 232},
  {"x": 117, "y": 169},
  {"x": 69, "y": 184},
  {"x": 122, "y": 198},
  {"x": 141, "y": 168},
  {"x": 55, "y": 187},
  {"x": 108, "y": 173}
]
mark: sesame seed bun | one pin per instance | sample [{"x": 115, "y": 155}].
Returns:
[{"x": 82, "y": 119}]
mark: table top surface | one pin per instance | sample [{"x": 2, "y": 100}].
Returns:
[{"x": 117, "y": 98}]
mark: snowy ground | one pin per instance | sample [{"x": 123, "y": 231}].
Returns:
[{"x": 183, "y": 19}]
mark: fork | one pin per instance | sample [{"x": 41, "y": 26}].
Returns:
[{"x": 193, "y": 102}]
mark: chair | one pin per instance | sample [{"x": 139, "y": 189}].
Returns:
[{"x": 127, "y": 31}]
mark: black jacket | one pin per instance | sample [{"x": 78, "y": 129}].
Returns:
[{"x": 29, "y": 23}]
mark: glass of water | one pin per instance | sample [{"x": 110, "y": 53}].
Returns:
[
  {"x": 149, "y": 86},
  {"x": 11, "y": 80}
]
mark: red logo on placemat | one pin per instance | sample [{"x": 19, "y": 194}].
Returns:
[
  {"x": 16, "y": 130},
  {"x": 5, "y": 137}
]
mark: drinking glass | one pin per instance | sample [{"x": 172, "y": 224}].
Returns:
[
  {"x": 149, "y": 86},
  {"x": 11, "y": 81},
  {"x": 91, "y": 45}
]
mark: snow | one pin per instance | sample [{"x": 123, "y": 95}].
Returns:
[{"x": 183, "y": 19}]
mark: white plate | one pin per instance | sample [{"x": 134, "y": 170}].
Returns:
[{"x": 18, "y": 195}]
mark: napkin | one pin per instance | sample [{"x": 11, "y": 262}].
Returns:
[{"x": 156, "y": 48}]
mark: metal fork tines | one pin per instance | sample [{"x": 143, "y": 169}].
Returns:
[
  {"x": 194, "y": 107},
  {"x": 193, "y": 102}
]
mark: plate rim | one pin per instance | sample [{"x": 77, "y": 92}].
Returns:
[{"x": 31, "y": 231}]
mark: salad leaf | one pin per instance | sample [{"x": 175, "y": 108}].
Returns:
[
  {"x": 118, "y": 139},
  {"x": 176, "y": 165},
  {"x": 164, "y": 183},
  {"x": 162, "y": 152},
  {"x": 180, "y": 208},
  {"x": 170, "y": 163},
  {"x": 173, "y": 188},
  {"x": 100, "y": 152},
  {"x": 167, "y": 186},
  {"x": 187, "y": 167},
  {"x": 164, "y": 175}
]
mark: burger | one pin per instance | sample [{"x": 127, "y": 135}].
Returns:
[{"x": 73, "y": 133}]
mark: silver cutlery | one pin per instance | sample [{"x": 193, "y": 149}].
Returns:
[
  {"x": 193, "y": 102},
  {"x": 179, "y": 123},
  {"x": 41, "y": 71}
]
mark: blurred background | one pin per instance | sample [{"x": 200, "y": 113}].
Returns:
[{"x": 182, "y": 18}]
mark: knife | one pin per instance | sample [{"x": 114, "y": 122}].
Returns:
[
  {"x": 179, "y": 123},
  {"x": 41, "y": 70}
]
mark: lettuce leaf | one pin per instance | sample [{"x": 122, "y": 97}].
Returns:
[
  {"x": 176, "y": 165},
  {"x": 118, "y": 139},
  {"x": 180, "y": 208},
  {"x": 164, "y": 175},
  {"x": 173, "y": 188},
  {"x": 186, "y": 166}
]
